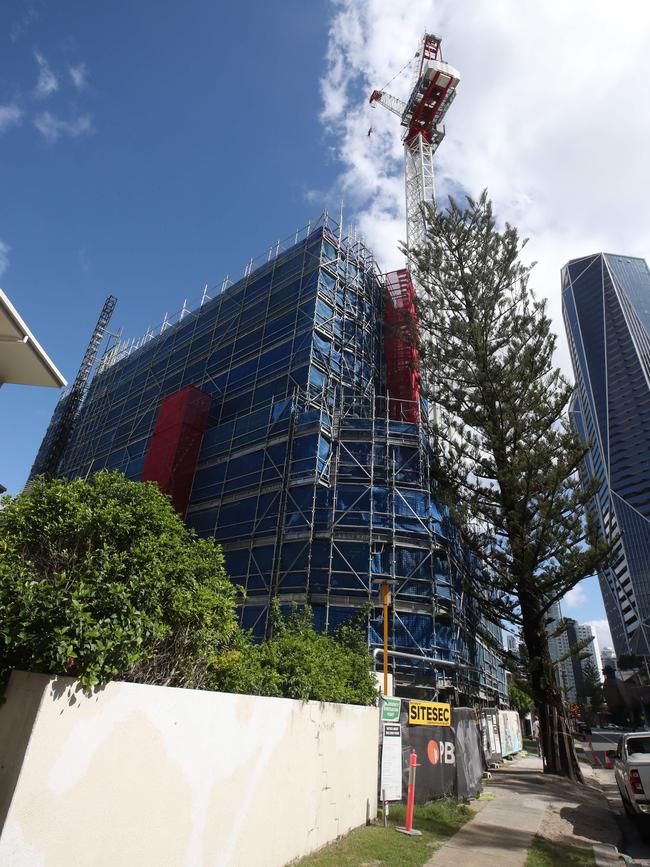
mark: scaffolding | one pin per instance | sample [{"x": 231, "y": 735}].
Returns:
[
  {"x": 400, "y": 346},
  {"x": 315, "y": 480}
]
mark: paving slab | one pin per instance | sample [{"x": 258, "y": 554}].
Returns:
[
  {"x": 528, "y": 802},
  {"x": 502, "y": 832}
]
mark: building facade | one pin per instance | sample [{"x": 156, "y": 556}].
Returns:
[
  {"x": 285, "y": 417},
  {"x": 565, "y": 636},
  {"x": 559, "y": 647},
  {"x": 608, "y": 658},
  {"x": 591, "y": 651},
  {"x": 583, "y": 657},
  {"x": 606, "y": 307},
  {"x": 512, "y": 644},
  {"x": 23, "y": 361}
]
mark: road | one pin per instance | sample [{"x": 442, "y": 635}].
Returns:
[{"x": 633, "y": 842}]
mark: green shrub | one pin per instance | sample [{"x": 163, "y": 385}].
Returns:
[
  {"x": 101, "y": 580},
  {"x": 298, "y": 662}
]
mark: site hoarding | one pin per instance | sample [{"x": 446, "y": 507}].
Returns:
[
  {"x": 490, "y": 740},
  {"x": 449, "y": 755},
  {"x": 510, "y": 732}
]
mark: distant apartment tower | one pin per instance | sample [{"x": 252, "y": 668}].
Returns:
[
  {"x": 585, "y": 632},
  {"x": 284, "y": 419},
  {"x": 559, "y": 645},
  {"x": 512, "y": 643},
  {"x": 570, "y": 671},
  {"x": 606, "y": 307},
  {"x": 577, "y": 634},
  {"x": 608, "y": 657}
]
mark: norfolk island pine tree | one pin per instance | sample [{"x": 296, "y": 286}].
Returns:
[{"x": 509, "y": 459}]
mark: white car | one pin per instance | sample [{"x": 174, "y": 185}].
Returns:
[{"x": 632, "y": 772}]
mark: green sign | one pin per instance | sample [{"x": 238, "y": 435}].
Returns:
[{"x": 390, "y": 709}]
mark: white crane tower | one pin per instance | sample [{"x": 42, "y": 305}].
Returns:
[{"x": 433, "y": 89}]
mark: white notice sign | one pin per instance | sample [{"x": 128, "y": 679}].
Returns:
[{"x": 391, "y": 762}]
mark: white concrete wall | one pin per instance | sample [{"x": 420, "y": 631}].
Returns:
[{"x": 148, "y": 775}]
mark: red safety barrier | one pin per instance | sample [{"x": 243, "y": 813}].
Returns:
[
  {"x": 594, "y": 756},
  {"x": 400, "y": 347},
  {"x": 175, "y": 443},
  {"x": 410, "y": 800}
]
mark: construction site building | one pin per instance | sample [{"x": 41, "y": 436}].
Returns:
[{"x": 283, "y": 418}]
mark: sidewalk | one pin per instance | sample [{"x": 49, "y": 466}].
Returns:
[{"x": 527, "y": 802}]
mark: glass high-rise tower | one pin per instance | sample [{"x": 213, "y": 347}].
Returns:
[{"x": 606, "y": 306}]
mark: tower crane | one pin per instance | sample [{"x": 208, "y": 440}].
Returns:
[
  {"x": 57, "y": 436},
  {"x": 433, "y": 88}
]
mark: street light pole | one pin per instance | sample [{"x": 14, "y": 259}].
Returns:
[
  {"x": 386, "y": 601},
  {"x": 384, "y": 581}
]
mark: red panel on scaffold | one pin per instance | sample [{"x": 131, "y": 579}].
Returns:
[
  {"x": 175, "y": 443},
  {"x": 400, "y": 347}
]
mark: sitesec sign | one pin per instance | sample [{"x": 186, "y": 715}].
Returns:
[{"x": 429, "y": 713}]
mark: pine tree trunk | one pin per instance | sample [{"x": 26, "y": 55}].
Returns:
[{"x": 558, "y": 751}]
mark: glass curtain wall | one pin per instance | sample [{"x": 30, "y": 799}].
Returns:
[{"x": 606, "y": 305}]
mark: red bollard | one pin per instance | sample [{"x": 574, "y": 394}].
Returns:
[{"x": 410, "y": 799}]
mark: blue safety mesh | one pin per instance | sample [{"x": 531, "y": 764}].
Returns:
[{"x": 314, "y": 494}]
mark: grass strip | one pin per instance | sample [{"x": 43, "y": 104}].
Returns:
[
  {"x": 384, "y": 847},
  {"x": 543, "y": 853}
]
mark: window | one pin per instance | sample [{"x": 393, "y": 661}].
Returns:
[{"x": 637, "y": 746}]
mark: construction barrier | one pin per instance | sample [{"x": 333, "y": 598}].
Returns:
[
  {"x": 490, "y": 741},
  {"x": 510, "y": 732},
  {"x": 469, "y": 754},
  {"x": 595, "y": 759},
  {"x": 450, "y": 757}
]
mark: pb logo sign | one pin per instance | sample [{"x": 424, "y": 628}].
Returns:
[
  {"x": 442, "y": 752},
  {"x": 429, "y": 713}
]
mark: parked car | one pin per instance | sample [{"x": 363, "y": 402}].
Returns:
[{"x": 632, "y": 773}]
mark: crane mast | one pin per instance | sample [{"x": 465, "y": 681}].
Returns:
[
  {"x": 433, "y": 89},
  {"x": 60, "y": 428}
]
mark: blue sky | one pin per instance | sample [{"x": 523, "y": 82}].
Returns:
[
  {"x": 149, "y": 148},
  {"x": 185, "y": 146}
]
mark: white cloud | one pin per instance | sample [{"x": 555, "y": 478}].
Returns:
[
  {"x": 20, "y": 25},
  {"x": 604, "y": 636},
  {"x": 47, "y": 82},
  {"x": 574, "y": 598},
  {"x": 78, "y": 74},
  {"x": 313, "y": 196},
  {"x": 4, "y": 257},
  {"x": 549, "y": 116},
  {"x": 52, "y": 127},
  {"x": 10, "y": 115}
]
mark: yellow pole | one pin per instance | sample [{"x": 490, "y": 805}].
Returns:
[{"x": 386, "y": 599}]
